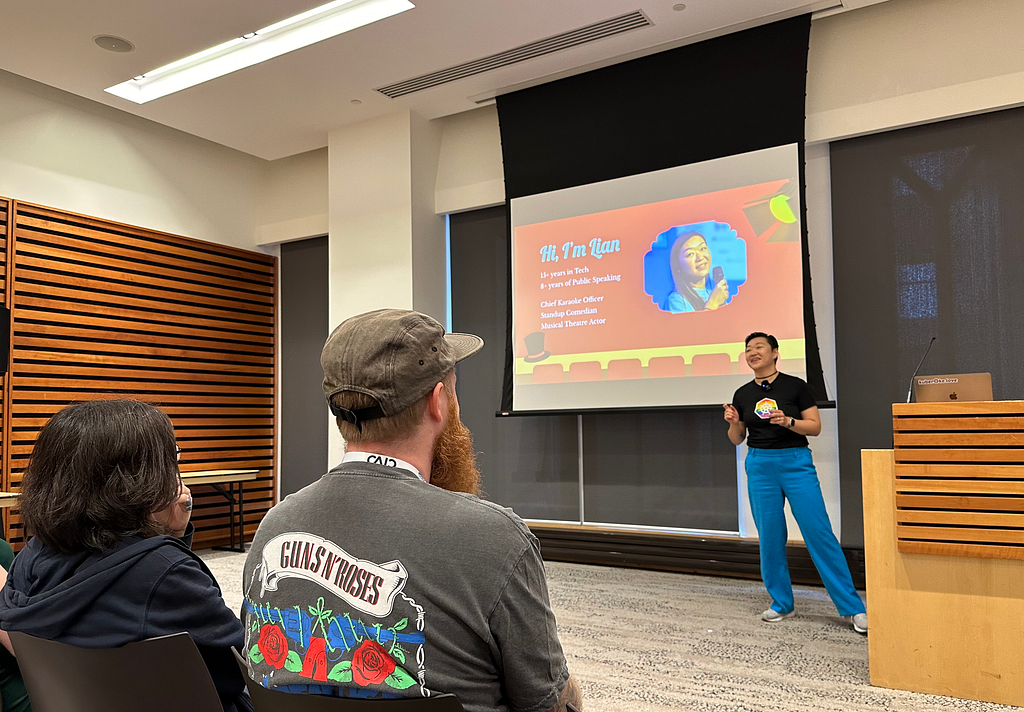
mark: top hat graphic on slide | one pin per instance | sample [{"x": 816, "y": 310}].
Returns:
[{"x": 535, "y": 350}]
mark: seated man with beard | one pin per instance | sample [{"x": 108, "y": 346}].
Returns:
[{"x": 389, "y": 577}]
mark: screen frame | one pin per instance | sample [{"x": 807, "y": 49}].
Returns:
[{"x": 701, "y": 177}]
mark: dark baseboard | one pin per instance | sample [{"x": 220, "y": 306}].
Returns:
[{"x": 716, "y": 556}]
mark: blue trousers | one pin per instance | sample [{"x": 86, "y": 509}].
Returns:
[{"x": 773, "y": 476}]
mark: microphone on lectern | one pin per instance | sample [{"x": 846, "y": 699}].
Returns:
[{"x": 920, "y": 363}]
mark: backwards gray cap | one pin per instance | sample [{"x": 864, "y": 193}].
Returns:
[{"x": 395, "y": 356}]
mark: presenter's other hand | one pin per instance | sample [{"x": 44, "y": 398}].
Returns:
[
  {"x": 779, "y": 418},
  {"x": 175, "y": 517},
  {"x": 731, "y": 416},
  {"x": 719, "y": 295}
]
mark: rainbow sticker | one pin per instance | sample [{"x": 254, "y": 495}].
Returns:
[{"x": 764, "y": 408}]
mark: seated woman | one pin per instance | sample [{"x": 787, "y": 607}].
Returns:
[
  {"x": 690, "y": 260},
  {"x": 12, "y": 688},
  {"x": 109, "y": 562}
]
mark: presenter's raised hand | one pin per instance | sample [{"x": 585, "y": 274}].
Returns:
[
  {"x": 719, "y": 295},
  {"x": 731, "y": 416},
  {"x": 779, "y": 418}
]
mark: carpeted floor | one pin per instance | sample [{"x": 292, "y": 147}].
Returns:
[{"x": 647, "y": 641}]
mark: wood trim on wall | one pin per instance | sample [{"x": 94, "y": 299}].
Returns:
[
  {"x": 7, "y": 208},
  {"x": 973, "y": 654},
  {"x": 682, "y": 553},
  {"x": 106, "y": 310},
  {"x": 960, "y": 478}
]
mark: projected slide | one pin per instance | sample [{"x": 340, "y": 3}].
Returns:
[{"x": 639, "y": 291}]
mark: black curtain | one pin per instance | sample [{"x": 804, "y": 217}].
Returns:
[
  {"x": 733, "y": 94},
  {"x": 928, "y": 233}
]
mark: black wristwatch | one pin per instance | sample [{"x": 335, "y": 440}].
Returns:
[{"x": 792, "y": 422}]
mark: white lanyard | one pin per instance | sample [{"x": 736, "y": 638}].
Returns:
[{"x": 385, "y": 460}]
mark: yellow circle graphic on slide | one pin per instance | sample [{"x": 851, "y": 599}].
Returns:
[{"x": 779, "y": 206}]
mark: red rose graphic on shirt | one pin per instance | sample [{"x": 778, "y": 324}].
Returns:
[
  {"x": 371, "y": 664},
  {"x": 273, "y": 645}
]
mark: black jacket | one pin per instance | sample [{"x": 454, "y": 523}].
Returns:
[{"x": 140, "y": 589}]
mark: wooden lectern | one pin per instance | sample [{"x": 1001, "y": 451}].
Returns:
[{"x": 944, "y": 551}]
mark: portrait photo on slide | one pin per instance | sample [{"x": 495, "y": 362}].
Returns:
[{"x": 695, "y": 267}]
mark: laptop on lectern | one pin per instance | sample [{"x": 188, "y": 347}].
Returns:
[{"x": 954, "y": 387}]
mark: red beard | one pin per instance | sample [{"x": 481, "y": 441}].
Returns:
[{"x": 453, "y": 466}]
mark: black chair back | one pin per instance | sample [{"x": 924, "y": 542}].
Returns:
[
  {"x": 265, "y": 700},
  {"x": 165, "y": 674}
]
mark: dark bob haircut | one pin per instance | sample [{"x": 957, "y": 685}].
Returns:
[
  {"x": 772, "y": 341},
  {"x": 98, "y": 471}
]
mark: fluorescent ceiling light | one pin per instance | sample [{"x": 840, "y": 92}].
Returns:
[{"x": 310, "y": 27}]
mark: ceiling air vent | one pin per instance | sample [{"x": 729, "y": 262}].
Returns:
[{"x": 572, "y": 38}]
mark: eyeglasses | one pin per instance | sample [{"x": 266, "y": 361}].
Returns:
[{"x": 177, "y": 453}]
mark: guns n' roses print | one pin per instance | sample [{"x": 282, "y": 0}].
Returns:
[{"x": 363, "y": 636}]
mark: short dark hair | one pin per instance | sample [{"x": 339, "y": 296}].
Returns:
[
  {"x": 98, "y": 470},
  {"x": 772, "y": 341}
]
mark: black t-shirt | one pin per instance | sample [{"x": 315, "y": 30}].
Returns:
[{"x": 786, "y": 393}]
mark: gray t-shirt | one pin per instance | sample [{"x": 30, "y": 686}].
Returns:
[{"x": 371, "y": 582}]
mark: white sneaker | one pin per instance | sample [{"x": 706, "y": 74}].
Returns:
[
  {"x": 860, "y": 622},
  {"x": 773, "y": 616}
]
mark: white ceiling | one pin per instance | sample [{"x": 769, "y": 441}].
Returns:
[{"x": 289, "y": 104}]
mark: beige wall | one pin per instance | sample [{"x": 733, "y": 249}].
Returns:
[
  {"x": 386, "y": 243},
  {"x": 59, "y": 150},
  {"x": 66, "y": 152},
  {"x": 907, "y": 62},
  {"x": 370, "y": 220},
  {"x": 429, "y": 243},
  {"x": 469, "y": 171},
  {"x": 293, "y": 199}
]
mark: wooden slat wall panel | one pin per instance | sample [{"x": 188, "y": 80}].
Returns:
[
  {"x": 103, "y": 310},
  {"x": 960, "y": 478},
  {"x": 6, "y": 209}
]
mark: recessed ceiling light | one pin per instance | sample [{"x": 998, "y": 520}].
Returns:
[
  {"x": 356, "y": 102},
  {"x": 113, "y": 44},
  {"x": 304, "y": 29},
  {"x": 679, "y": 7}
]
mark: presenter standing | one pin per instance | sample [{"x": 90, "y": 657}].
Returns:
[{"x": 775, "y": 413}]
